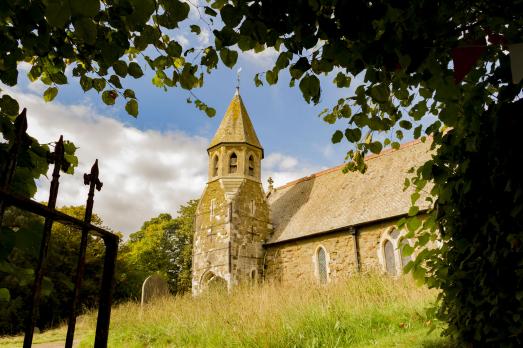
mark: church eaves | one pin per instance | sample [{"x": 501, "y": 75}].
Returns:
[{"x": 236, "y": 126}]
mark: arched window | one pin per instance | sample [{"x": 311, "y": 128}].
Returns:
[
  {"x": 233, "y": 163},
  {"x": 388, "y": 252},
  {"x": 321, "y": 259},
  {"x": 215, "y": 166},
  {"x": 251, "y": 165}
]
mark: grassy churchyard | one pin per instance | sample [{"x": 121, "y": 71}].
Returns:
[{"x": 364, "y": 311}]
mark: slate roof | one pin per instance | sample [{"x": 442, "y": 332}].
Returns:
[
  {"x": 330, "y": 200},
  {"x": 236, "y": 126}
]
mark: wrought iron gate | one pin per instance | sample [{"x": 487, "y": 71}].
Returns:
[{"x": 51, "y": 215}]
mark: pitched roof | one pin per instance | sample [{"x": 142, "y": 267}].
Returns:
[
  {"x": 330, "y": 199},
  {"x": 236, "y": 126}
]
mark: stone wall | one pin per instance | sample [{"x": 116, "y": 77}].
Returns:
[
  {"x": 211, "y": 238},
  {"x": 250, "y": 229},
  {"x": 296, "y": 260}
]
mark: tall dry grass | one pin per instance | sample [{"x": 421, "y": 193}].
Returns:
[{"x": 365, "y": 310}]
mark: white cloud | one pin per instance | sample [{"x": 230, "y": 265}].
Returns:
[
  {"x": 182, "y": 40},
  {"x": 204, "y": 38},
  {"x": 284, "y": 168},
  {"x": 264, "y": 59},
  {"x": 144, "y": 172}
]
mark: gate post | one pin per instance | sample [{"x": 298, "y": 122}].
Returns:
[{"x": 106, "y": 293}]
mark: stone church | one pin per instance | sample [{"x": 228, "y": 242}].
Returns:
[{"x": 319, "y": 228}]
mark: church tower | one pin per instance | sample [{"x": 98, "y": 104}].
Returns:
[{"x": 232, "y": 218}]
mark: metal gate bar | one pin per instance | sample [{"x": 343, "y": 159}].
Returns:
[{"x": 51, "y": 215}]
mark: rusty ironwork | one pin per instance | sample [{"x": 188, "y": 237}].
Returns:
[
  {"x": 51, "y": 215},
  {"x": 10, "y": 165},
  {"x": 93, "y": 182},
  {"x": 58, "y": 159}
]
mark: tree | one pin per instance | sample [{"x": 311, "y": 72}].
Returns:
[
  {"x": 164, "y": 245},
  {"x": 404, "y": 60},
  {"x": 18, "y": 237}
]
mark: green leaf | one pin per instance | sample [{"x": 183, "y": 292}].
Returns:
[
  {"x": 58, "y": 78},
  {"x": 85, "y": 30},
  {"x": 353, "y": 135},
  {"x": 413, "y": 211},
  {"x": 9, "y": 106},
  {"x": 271, "y": 76},
  {"x": 57, "y": 12},
  {"x": 129, "y": 93},
  {"x": 406, "y": 250},
  {"x": 86, "y": 83},
  {"x": 120, "y": 68},
  {"x": 115, "y": 81},
  {"x": 135, "y": 70},
  {"x": 341, "y": 80},
  {"x": 86, "y": 8},
  {"x": 310, "y": 88},
  {"x": 298, "y": 69},
  {"x": 132, "y": 107},
  {"x": 99, "y": 84},
  {"x": 413, "y": 224},
  {"x": 228, "y": 57},
  {"x": 196, "y": 29},
  {"x": 336, "y": 137},
  {"x": 211, "y": 112},
  {"x": 405, "y": 124},
  {"x": 5, "y": 296},
  {"x": 50, "y": 94},
  {"x": 257, "y": 81},
  {"x": 109, "y": 97},
  {"x": 379, "y": 93},
  {"x": 375, "y": 147},
  {"x": 174, "y": 49}
]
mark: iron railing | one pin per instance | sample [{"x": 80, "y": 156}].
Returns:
[{"x": 51, "y": 215}]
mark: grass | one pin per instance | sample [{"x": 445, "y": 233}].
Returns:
[{"x": 364, "y": 311}]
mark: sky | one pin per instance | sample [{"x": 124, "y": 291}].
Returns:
[{"x": 156, "y": 162}]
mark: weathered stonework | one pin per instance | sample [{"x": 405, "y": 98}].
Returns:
[
  {"x": 323, "y": 227},
  {"x": 296, "y": 260}
]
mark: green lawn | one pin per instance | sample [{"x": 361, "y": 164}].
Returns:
[{"x": 364, "y": 311}]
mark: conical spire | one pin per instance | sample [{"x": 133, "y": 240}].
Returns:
[{"x": 236, "y": 126}]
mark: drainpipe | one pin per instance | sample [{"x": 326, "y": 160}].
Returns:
[{"x": 354, "y": 233}]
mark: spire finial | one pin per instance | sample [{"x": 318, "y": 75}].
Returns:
[{"x": 238, "y": 79}]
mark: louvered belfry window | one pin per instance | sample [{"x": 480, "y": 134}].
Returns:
[
  {"x": 251, "y": 165},
  {"x": 215, "y": 166},
  {"x": 322, "y": 265},
  {"x": 233, "y": 163}
]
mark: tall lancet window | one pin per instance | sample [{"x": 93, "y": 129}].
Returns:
[
  {"x": 321, "y": 260},
  {"x": 251, "y": 165},
  {"x": 215, "y": 162},
  {"x": 233, "y": 163}
]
